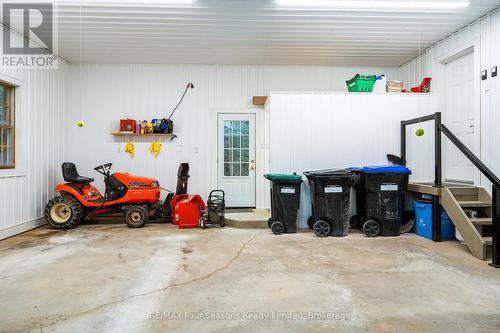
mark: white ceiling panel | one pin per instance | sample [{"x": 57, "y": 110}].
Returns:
[{"x": 257, "y": 32}]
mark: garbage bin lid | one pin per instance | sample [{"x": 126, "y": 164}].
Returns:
[
  {"x": 284, "y": 177},
  {"x": 386, "y": 169},
  {"x": 328, "y": 173}
]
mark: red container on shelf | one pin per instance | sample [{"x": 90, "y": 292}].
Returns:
[
  {"x": 424, "y": 87},
  {"x": 127, "y": 125}
]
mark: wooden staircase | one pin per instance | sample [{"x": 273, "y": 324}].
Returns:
[{"x": 470, "y": 209}]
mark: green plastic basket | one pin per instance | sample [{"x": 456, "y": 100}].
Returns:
[{"x": 361, "y": 83}]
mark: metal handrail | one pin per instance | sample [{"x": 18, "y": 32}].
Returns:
[{"x": 438, "y": 129}]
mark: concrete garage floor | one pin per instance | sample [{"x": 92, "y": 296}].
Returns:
[{"x": 109, "y": 278}]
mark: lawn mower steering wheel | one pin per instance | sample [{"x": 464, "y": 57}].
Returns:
[{"x": 104, "y": 169}]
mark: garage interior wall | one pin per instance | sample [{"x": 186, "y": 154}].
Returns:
[
  {"x": 484, "y": 34},
  {"x": 343, "y": 130},
  {"x": 145, "y": 92},
  {"x": 48, "y": 109},
  {"x": 40, "y": 113}
]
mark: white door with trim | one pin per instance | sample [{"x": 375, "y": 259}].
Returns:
[
  {"x": 236, "y": 158},
  {"x": 460, "y": 118}
]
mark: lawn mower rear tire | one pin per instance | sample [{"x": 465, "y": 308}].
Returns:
[
  {"x": 64, "y": 212},
  {"x": 136, "y": 216}
]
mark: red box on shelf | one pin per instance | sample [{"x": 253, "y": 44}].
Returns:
[{"x": 127, "y": 125}]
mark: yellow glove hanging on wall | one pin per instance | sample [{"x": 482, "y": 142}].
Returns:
[
  {"x": 129, "y": 148},
  {"x": 155, "y": 148}
]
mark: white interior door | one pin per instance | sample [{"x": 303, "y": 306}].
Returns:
[
  {"x": 236, "y": 158},
  {"x": 460, "y": 118}
]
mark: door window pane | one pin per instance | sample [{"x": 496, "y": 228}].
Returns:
[
  {"x": 227, "y": 127},
  {"x": 227, "y": 155},
  {"x": 236, "y": 155},
  {"x": 236, "y": 141},
  {"x": 245, "y": 141},
  {"x": 236, "y": 127},
  {"x": 245, "y": 125},
  {"x": 236, "y": 169},
  {"x": 227, "y": 141},
  {"x": 228, "y": 169},
  {"x": 244, "y": 155},
  {"x": 244, "y": 169}
]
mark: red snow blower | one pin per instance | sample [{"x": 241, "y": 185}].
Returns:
[{"x": 180, "y": 208}]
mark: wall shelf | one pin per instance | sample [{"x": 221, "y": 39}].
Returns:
[{"x": 136, "y": 135}]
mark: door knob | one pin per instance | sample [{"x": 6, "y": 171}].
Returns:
[{"x": 252, "y": 165}]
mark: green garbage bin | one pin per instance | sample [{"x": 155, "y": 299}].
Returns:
[{"x": 285, "y": 202}]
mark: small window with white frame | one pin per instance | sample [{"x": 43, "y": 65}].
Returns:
[{"x": 7, "y": 126}]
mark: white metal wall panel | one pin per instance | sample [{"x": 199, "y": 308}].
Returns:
[
  {"x": 111, "y": 92},
  {"x": 40, "y": 114},
  {"x": 486, "y": 32},
  {"x": 315, "y": 131},
  {"x": 493, "y": 139}
]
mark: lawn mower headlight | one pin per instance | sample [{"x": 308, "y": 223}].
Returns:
[{"x": 155, "y": 184}]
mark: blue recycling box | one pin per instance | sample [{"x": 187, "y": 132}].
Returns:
[{"x": 423, "y": 222}]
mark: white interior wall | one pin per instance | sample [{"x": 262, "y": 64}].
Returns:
[
  {"x": 484, "y": 36},
  {"x": 316, "y": 131},
  {"x": 40, "y": 108},
  {"x": 144, "y": 92}
]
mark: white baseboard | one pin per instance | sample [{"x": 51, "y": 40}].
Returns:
[{"x": 20, "y": 228}]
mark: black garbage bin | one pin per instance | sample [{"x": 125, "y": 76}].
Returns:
[
  {"x": 330, "y": 198},
  {"x": 380, "y": 199},
  {"x": 285, "y": 202}
]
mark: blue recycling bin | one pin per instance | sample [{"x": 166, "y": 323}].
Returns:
[{"x": 423, "y": 222}]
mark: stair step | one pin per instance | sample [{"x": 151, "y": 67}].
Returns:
[
  {"x": 487, "y": 240},
  {"x": 482, "y": 221},
  {"x": 474, "y": 204}
]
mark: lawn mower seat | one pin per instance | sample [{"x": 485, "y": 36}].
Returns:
[
  {"x": 70, "y": 174},
  {"x": 182, "y": 179}
]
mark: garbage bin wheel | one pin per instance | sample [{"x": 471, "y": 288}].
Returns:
[
  {"x": 322, "y": 228},
  {"x": 310, "y": 222},
  {"x": 277, "y": 227},
  {"x": 371, "y": 228},
  {"x": 269, "y": 222},
  {"x": 355, "y": 223}
]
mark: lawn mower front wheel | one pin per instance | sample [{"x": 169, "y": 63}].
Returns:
[
  {"x": 64, "y": 212},
  {"x": 136, "y": 216}
]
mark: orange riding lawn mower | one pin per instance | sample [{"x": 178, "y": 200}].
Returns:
[{"x": 137, "y": 198}]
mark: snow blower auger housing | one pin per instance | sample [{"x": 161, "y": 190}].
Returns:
[
  {"x": 180, "y": 208},
  {"x": 138, "y": 198}
]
